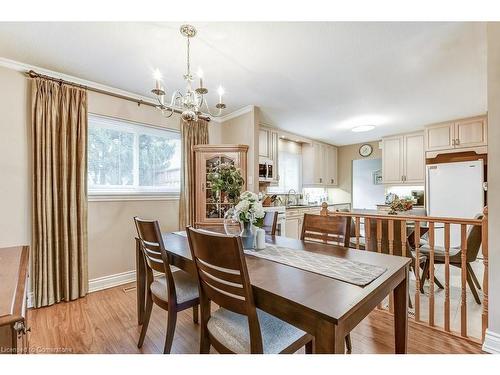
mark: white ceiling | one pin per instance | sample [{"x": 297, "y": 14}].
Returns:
[{"x": 315, "y": 79}]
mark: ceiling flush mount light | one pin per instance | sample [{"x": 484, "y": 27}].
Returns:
[
  {"x": 191, "y": 102},
  {"x": 363, "y": 128}
]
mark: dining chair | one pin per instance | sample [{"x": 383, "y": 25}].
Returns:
[
  {"x": 474, "y": 240},
  {"x": 172, "y": 291},
  {"x": 329, "y": 229},
  {"x": 237, "y": 326},
  {"x": 270, "y": 222}
]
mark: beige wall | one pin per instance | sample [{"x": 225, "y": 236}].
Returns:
[
  {"x": 494, "y": 175},
  {"x": 110, "y": 226},
  {"x": 15, "y": 180},
  {"x": 244, "y": 129},
  {"x": 346, "y": 154}
]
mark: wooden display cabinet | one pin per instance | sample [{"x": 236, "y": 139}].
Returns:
[{"x": 211, "y": 207}]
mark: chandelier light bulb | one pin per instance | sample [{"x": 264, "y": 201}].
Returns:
[
  {"x": 157, "y": 74},
  {"x": 199, "y": 73}
]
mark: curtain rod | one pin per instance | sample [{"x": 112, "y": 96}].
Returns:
[{"x": 33, "y": 74}]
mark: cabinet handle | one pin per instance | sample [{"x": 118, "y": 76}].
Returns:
[
  {"x": 457, "y": 141},
  {"x": 203, "y": 187},
  {"x": 453, "y": 142},
  {"x": 320, "y": 180}
]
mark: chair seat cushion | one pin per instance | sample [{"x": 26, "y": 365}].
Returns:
[
  {"x": 232, "y": 330},
  {"x": 439, "y": 252},
  {"x": 186, "y": 287}
]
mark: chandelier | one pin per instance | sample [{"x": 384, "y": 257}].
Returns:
[{"x": 191, "y": 103}]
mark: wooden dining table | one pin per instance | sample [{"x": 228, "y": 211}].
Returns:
[{"x": 325, "y": 307}]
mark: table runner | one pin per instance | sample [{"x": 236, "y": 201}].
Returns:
[{"x": 352, "y": 272}]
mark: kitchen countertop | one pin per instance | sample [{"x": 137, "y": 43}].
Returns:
[
  {"x": 414, "y": 212},
  {"x": 306, "y": 206}
]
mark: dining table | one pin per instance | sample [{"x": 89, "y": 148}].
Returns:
[{"x": 327, "y": 308}]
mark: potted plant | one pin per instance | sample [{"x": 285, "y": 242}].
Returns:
[
  {"x": 226, "y": 178},
  {"x": 400, "y": 204}
]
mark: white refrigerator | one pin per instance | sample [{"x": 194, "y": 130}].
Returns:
[{"x": 454, "y": 190}]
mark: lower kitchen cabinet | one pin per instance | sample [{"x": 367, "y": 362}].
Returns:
[{"x": 293, "y": 227}]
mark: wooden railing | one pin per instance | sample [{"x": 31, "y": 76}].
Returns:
[{"x": 381, "y": 234}]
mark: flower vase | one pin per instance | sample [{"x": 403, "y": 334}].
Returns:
[{"x": 248, "y": 235}]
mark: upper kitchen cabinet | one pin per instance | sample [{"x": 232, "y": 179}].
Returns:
[
  {"x": 319, "y": 165},
  {"x": 264, "y": 144},
  {"x": 470, "y": 134},
  {"x": 392, "y": 160},
  {"x": 403, "y": 159},
  {"x": 331, "y": 165},
  {"x": 414, "y": 158},
  {"x": 268, "y": 150}
]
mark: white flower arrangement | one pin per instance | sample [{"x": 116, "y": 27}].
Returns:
[{"x": 249, "y": 209}]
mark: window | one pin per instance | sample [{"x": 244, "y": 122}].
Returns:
[
  {"x": 129, "y": 158},
  {"x": 289, "y": 168}
]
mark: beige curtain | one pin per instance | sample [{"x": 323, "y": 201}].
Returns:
[
  {"x": 59, "y": 246},
  {"x": 192, "y": 133}
]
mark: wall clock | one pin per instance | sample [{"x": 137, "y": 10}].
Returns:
[{"x": 365, "y": 150}]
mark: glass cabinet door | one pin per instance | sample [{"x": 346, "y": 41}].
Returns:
[{"x": 217, "y": 202}]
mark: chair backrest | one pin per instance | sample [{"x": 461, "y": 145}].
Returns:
[
  {"x": 154, "y": 253},
  {"x": 397, "y": 245},
  {"x": 223, "y": 278},
  {"x": 474, "y": 240},
  {"x": 270, "y": 222},
  {"x": 326, "y": 229}
]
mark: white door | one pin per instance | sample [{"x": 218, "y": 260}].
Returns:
[
  {"x": 366, "y": 193},
  {"x": 392, "y": 160},
  {"x": 414, "y": 163}
]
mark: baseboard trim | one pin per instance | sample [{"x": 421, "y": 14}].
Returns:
[
  {"x": 491, "y": 342},
  {"x": 111, "y": 281},
  {"x": 105, "y": 282}
]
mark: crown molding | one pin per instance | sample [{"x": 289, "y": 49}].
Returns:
[
  {"x": 23, "y": 67},
  {"x": 234, "y": 114}
]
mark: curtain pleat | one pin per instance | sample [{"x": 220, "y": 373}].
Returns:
[
  {"x": 192, "y": 133},
  {"x": 59, "y": 147}
]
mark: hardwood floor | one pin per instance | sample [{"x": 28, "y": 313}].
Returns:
[{"x": 106, "y": 322}]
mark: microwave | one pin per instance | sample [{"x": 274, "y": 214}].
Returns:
[{"x": 266, "y": 170}]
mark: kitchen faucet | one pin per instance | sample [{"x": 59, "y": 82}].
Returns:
[{"x": 288, "y": 197}]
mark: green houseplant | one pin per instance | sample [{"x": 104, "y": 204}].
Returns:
[{"x": 226, "y": 178}]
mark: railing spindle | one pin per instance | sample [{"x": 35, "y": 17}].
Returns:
[
  {"x": 368, "y": 235},
  {"x": 357, "y": 231},
  {"x": 484, "y": 244},
  {"x": 379, "y": 244},
  {"x": 463, "y": 305},
  {"x": 447, "y": 277},
  {"x": 379, "y": 235},
  {"x": 431, "y": 274},
  {"x": 390, "y": 230},
  {"x": 404, "y": 237},
  {"x": 417, "y": 268}
]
